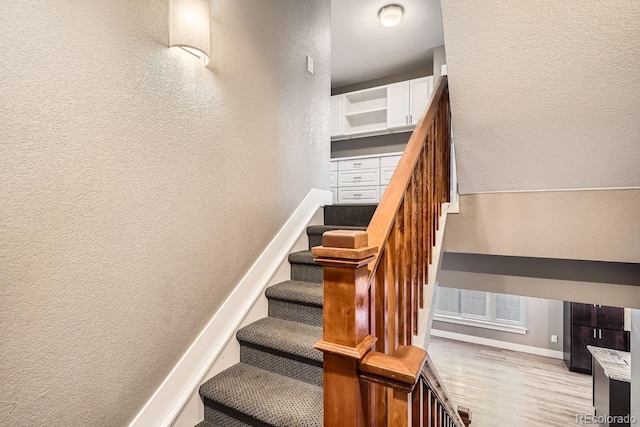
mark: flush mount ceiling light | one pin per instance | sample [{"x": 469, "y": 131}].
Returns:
[
  {"x": 189, "y": 26},
  {"x": 390, "y": 15}
]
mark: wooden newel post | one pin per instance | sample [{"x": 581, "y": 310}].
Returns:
[{"x": 345, "y": 338}]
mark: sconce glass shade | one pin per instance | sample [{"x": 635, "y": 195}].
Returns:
[
  {"x": 390, "y": 15},
  {"x": 189, "y": 26}
]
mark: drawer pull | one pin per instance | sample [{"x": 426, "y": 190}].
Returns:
[
  {"x": 357, "y": 177},
  {"x": 357, "y": 195},
  {"x": 357, "y": 165}
]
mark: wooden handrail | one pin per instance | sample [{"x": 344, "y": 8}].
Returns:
[
  {"x": 381, "y": 223},
  {"x": 432, "y": 378},
  {"x": 374, "y": 286}
]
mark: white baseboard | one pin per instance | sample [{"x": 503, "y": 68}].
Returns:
[
  {"x": 183, "y": 381},
  {"x": 556, "y": 354}
]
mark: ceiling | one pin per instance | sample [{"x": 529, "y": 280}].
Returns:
[
  {"x": 545, "y": 95},
  {"x": 362, "y": 49}
]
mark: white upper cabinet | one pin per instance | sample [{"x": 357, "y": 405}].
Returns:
[
  {"x": 380, "y": 110},
  {"x": 398, "y": 105},
  {"x": 337, "y": 115},
  {"x": 419, "y": 96}
]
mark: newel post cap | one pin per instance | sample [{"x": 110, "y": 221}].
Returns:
[{"x": 345, "y": 248}]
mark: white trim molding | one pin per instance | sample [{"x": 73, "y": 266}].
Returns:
[
  {"x": 556, "y": 354},
  {"x": 183, "y": 381},
  {"x": 477, "y": 323}
]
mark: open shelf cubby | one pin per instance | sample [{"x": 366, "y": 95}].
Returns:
[{"x": 366, "y": 110}]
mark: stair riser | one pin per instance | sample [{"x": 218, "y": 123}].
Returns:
[
  {"x": 309, "y": 371},
  {"x": 307, "y": 273},
  {"x": 315, "y": 240},
  {"x": 220, "y": 415},
  {"x": 309, "y": 315},
  {"x": 358, "y": 215}
]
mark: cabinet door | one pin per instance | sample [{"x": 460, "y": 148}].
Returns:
[
  {"x": 581, "y": 337},
  {"x": 419, "y": 96},
  {"x": 397, "y": 105},
  {"x": 610, "y": 318},
  {"x": 337, "y": 115},
  {"x": 583, "y": 314},
  {"x": 608, "y": 338}
]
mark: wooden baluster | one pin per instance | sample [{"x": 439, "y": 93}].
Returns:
[
  {"x": 415, "y": 284},
  {"x": 416, "y": 405},
  {"x": 408, "y": 287},
  {"x": 434, "y": 410},
  {"x": 432, "y": 212},
  {"x": 401, "y": 259},
  {"x": 426, "y": 405},
  {"x": 421, "y": 264},
  {"x": 427, "y": 190},
  {"x": 345, "y": 339},
  {"x": 392, "y": 290}
]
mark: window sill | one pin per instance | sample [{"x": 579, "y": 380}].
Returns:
[{"x": 481, "y": 324}]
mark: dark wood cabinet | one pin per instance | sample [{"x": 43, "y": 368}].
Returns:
[
  {"x": 589, "y": 324},
  {"x": 610, "y": 318},
  {"x": 581, "y": 337}
]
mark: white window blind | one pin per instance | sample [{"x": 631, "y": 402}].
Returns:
[{"x": 483, "y": 307}]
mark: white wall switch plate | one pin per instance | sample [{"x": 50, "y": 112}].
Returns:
[
  {"x": 309, "y": 64},
  {"x": 554, "y": 338}
]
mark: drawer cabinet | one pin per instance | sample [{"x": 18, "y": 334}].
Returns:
[
  {"x": 389, "y": 161},
  {"x": 359, "y": 195},
  {"x": 385, "y": 174},
  {"x": 359, "y": 178},
  {"x": 358, "y": 164},
  {"x": 362, "y": 179}
]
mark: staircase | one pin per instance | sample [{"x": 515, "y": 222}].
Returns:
[{"x": 278, "y": 381}]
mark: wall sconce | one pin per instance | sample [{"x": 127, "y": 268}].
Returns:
[{"x": 189, "y": 27}]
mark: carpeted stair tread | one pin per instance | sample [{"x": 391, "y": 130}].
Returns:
[
  {"x": 285, "y": 336},
  {"x": 306, "y": 293},
  {"x": 302, "y": 257},
  {"x": 265, "y": 396},
  {"x": 205, "y": 423}
]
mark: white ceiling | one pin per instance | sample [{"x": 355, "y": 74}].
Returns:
[
  {"x": 545, "y": 94},
  {"x": 362, "y": 49}
]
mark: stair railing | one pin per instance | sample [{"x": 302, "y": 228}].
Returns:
[{"x": 374, "y": 286}]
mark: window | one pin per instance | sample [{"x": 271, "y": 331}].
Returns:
[{"x": 483, "y": 309}]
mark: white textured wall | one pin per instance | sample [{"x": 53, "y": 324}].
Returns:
[
  {"x": 544, "y": 93},
  {"x": 601, "y": 225},
  {"x": 138, "y": 187}
]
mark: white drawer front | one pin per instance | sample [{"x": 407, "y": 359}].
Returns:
[
  {"x": 386, "y": 174},
  {"x": 359, "y": 195},
  {"x": 359, "y": 178},
  {"x": 333, "y": 166},
  {"x": 335, "y": 195},
  {"x": 333, "y": 179},
  {"x": 357, "y": 164},
  {"x": 389, "y": 161}
]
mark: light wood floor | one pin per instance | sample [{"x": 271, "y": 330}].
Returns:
[{"x": 505, "y": 388}]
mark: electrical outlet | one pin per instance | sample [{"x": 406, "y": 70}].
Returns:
[
  {"x": 309, "y": 64},
  {"x": 554, "y": 338}
]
